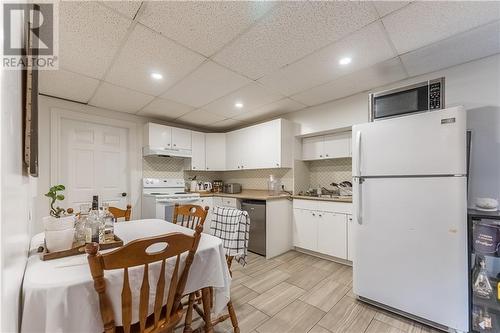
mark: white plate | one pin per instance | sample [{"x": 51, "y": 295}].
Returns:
[{"x": 486, "y": 209}]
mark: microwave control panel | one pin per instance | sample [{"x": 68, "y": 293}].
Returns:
[{"x": 435, "y": 96}]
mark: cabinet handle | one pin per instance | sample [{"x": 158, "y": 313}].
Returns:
[
  {"x": 320, "y": 155},
  {"x": 277, "y": 164},
  {"x": 320, "y": 215},
  {"x": 326, "y": 155},
  {"x": 175, "y": 145},
  {"x": 314, "y": 214},
  {"x": 168, "y": 144},
  {"x": 194, "y": 168}
]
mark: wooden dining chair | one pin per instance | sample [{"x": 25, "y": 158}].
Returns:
[
  {"x": 190, "y": 216},
  {"x": 136, "y": 253},
  {"x": 121, "y": 213}
]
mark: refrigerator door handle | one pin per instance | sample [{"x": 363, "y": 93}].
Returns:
[
  {"x": 358, "y": 153},
  {"x": 359, "y": 204}
]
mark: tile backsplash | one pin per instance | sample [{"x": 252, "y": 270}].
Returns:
[
  {"x": 161, "y": 167},
  {"x": 325, "y": 172}
]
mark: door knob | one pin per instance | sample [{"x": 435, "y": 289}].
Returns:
[{"x": 124, "y": 194}]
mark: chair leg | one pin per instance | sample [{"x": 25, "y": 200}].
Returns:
[
  {"x": 205, "y": 295},
  {"x": 232, "y": 315},
  {"x": 189, "y": 315}
]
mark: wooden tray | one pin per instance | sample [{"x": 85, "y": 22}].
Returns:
[{"x": 78, "y": 248}]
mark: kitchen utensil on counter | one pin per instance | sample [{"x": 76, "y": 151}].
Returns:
[
  {"x": 273, "y": 185},
  {"x": 207, "y": 186},
  {"x": 487, "y": 204},
  {"x": 218, "y": 186},
  {"x": 232, "y": 188}
]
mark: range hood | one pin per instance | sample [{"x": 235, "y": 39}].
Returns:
[{"x": 165, "y": 152}]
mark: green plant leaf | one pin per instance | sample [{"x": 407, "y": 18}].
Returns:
[{"x": 60, "y": 197}]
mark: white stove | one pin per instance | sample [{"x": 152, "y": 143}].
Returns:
[{"x": 159, "y": 195}]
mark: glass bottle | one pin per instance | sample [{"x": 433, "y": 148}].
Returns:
[
  {"x": 81, "y": 224},
  {"x": 482, "y": 286},
  {"x": 109, "y": 224}
]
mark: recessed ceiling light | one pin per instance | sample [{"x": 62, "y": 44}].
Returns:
[
  {"x": 156, "y": 76},
  {"x": 345, "y": 61},
  {"x": 239, "y": 105}
]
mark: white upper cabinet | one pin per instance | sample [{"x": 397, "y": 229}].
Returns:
[
  {"x": 312, "y": 148},
  {"x": 327, "y": 146},
  {"x": 262, "y": 146},
  {"x": 158, "y": 136},
  {"x": 198, "y": 151},
  {"x": 337, "y": 145},
  {"x": 215, "y": 151},
  {"x": 181, "y": 138}
]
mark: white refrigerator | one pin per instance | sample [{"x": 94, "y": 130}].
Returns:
[{"x": 410, "y": 216}]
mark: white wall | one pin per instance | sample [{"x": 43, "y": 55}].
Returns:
[
  {"x": 475, "y": 85},
  {"x": 15, "y": 198}
]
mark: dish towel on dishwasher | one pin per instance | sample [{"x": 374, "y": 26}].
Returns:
[{"x": 232, "y": 226}]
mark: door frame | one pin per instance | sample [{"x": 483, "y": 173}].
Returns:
[{"x": 133, "y": 149}]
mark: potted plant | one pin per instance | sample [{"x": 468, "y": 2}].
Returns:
[{"x": 60, "y": 225}]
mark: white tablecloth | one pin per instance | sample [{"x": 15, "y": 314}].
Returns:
[{"x": 59, "y": 296}]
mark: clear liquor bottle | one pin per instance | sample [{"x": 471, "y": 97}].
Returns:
[
  {"x": 482, "y": 285},
  {"x": 109, "y": 224}
]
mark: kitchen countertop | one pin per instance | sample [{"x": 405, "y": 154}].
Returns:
[
  {"x": 247, "y": 194},
  {"x": 333, "y": 199}
]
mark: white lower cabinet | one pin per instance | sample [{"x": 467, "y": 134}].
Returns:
[
  {"x": 305, "y": 231},
  {"x": 207, "y": 201},
  {"x": 332, "y": 231},
  {"x": 350, "y": 238},
  {"x": 323, "y": 227}
]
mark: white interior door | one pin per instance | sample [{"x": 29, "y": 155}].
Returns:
[
  {"x": 411, "y": 247},
  {"x": 93, "y": 160},
  {"x": 431, "y": 143}
]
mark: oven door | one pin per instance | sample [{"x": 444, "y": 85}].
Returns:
[{"x": 165, "y": 207}]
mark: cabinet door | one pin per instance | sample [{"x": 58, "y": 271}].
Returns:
[
  {"x": 332, "y": 234},
  {"x": 350, "y": 238},
  {"x": 207, "y": 201},
  {"x": 337, "y": 145},
  {"x": 267, "y": 147},
  {"x": 305, "y": 229},
  {"x": 158, "y": 136},
  {"x": 312, "y": 148},
  {"x": 181, "y": 138},
  {"x": 215, "y": 151},
  {"x": 198, "y": 151},
  {"x": 234, "y": 150}
]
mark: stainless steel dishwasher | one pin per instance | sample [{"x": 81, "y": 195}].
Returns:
[{"x": 257, "y": 211}]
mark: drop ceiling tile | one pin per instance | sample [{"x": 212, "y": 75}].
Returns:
[
  {"x": 111, "y": 97},
  {"x": 291, "y": 31},
  {"x": 146, "y": 52},
  {"x": 422, "y": 23},
  {"x": 280, "y": 107},
  {"x": 474, "y": 44},
  {"x": 365, "y": 47},
  {"x": 207, "y": 83},
  {"x": 89, "y": 37},
  {"x": 165, "y": 108},
  {"x": 387, "y": 7},
  {"x": 200, "y": 117},
  {"x": 127, "y": 8},
  {"x": 204, "y": 26},
  {"x": 64, "y": 84},
  {"x": 252, "y": 96},
  {"x": 365, "y": 79},
  {"x": 227, "y": 124}
]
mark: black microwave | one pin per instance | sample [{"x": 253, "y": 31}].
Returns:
[{"x": 420, "y": 97}]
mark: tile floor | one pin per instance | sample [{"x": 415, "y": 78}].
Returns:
[{"x": 298, "y": 293}]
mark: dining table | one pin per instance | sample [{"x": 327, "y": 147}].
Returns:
[{"x": 59, "y": 296}]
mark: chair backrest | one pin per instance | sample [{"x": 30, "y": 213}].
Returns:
[
  {"x": 119, "y": 213},
  {"x": 190, "y": 216},
  {"x": 136, "y": 253}
]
